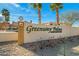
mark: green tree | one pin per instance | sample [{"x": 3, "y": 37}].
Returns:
[
  {"x": 56, "y": 7},
  {"x": 38, "y": 6},
  {"x": 6, "y": 14},
  {"x": 70, "y": 17}
]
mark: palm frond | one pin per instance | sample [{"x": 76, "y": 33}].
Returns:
[
  {"x": 52, "y": 6},
  {"x": 36, "y": 5},
  {"x": 61, "y": 6},
  {"x": 39, "y": 5},
  {"x": 33, "y": 5}
]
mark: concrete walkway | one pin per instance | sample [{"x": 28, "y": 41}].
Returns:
[{"x": 69, "y": 48}]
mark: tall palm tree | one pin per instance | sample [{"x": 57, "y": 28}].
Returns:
[
  {"x": 56, "y": 6},
  {"x": 6, "y": 14},
  {"x": 38, "y": 6}
]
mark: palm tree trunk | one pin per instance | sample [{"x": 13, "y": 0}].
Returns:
[
  {"x": 57, "y": 16},
  {"x": 39, "y": 16},
  {"x": 5, "y": 24}
]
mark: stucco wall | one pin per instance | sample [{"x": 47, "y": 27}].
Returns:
[
  {"x": 33, "y": 36},
  {"x": 75, "y": 31},
  {"x": 8, "y": 36}
]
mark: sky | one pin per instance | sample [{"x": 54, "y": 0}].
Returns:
[{"x": 28, "y": 13}]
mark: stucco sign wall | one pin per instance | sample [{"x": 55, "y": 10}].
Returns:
[
  {"x": 50, "y": 30},
  {"x": 33, "y": 33},
  {"x": 37, "y": 33}
]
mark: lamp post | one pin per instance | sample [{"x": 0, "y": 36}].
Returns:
[
  {"x": 64, "y": 48},
  {"x": 20, "y": 31},
  {"x": 65, "y": 42}
]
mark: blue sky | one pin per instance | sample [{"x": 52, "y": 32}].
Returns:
[{"x": 28, "y": 13}]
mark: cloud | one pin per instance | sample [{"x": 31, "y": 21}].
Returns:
[
  {"x": 15, "y": 4},
  {"x": 19, "y": 7},
  {"x": 25, "y": 15},
  {"x": 0, "y": 14},
  {"x": 1, "y": 17}
]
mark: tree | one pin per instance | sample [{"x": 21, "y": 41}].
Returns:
[
  {"x": 6, "y": 14},
  {"x": 70, "y": 17},
  {"x": 56, "y": 6},
  {"x": 38, "y": 6}
]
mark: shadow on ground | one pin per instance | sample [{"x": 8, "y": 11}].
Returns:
[{"x": 61, "y": 49}]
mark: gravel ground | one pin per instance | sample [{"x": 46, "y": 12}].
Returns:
[{"x": 13, "y": 49}]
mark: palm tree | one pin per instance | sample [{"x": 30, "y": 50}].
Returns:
[
  {"x": 56, "y": 6},
  {"x": 38, "y": 6},
  {"x": 6, "y": 14}
]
